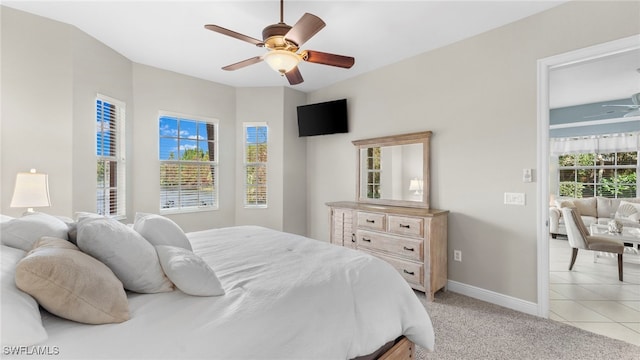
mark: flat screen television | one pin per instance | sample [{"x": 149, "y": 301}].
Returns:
[{"x": 323, "y": 118}]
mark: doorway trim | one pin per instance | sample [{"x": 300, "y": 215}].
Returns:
[{"x": 544, "y": 67}]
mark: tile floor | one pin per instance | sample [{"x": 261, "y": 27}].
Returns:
[{"x": 591, "y": 297}]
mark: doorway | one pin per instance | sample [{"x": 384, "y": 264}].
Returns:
[{"x": 545, "y": 66}]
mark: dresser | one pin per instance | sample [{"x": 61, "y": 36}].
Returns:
[{"x": 412, "y": 240}]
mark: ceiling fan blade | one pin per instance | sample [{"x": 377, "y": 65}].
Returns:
[
  {"x": 319, "y": 57},
  {"x": 233, "y": 34},
  {"x": 304, "y": 29},
  {"x": 627, "y": 106},
  {"x": 243, "y": 63},
  {"x": 294, "y": 76}
]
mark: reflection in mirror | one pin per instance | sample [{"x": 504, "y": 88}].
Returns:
[{"x": 392, "y": 172}]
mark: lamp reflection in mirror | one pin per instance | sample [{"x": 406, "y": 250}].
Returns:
[
  {"x": 31, "y": 190},
  {"x": 416, "y": 186}
]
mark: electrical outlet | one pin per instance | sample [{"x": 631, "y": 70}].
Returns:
[{"x": 457, "y": 255}]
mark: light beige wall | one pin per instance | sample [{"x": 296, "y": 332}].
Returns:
[
  {"x": 97, "y": 69},
  {"x": 37, "y": 115},
  {"x": 262, "y": 104},
  {"x": 286, "y": 161},
  {"x": 158, "y": 90},
  {"x": 478, "y": 96},
  {"x": 51, "y": 73},
  {"x": 294, "y": 166}
]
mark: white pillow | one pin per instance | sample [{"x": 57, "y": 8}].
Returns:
[
  {"x": 189, "y": 272},
  {"x": 21, "y": 233},
  {"x": 131, "y": 258},
  {"x": 21, "y": 321},
  {"x": 159, "y": 230},
  {"x": 5, "y": 218},
  {"x": 628, "y": 211}
]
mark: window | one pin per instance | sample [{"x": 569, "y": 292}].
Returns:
[
  {"x": 612, "y": 174},
  {"x": 188, "y": 163},
  {"x": 373, "y": 172},
  {"x": 255, "y": 165},
  {"x": 110, "y": 195}
]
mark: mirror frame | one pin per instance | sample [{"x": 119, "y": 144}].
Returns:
[{"x": 403, "y": 139}]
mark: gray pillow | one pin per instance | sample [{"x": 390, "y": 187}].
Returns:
[{"x": 131, "y": 258}]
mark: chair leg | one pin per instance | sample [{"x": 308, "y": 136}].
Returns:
[
  {"x": 620, "y": 267},
  {"x": 574, "y": 255}
]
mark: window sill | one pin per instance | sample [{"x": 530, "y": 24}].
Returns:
[{"x": 186, "y": 210}]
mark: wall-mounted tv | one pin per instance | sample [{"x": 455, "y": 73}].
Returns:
[{"x": 323, "y": 118}]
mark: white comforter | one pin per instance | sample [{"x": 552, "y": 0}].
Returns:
[{"x": 286, "y": 297}]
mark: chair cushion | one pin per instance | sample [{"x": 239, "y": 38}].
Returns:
[{"x": 600, "y": 243}]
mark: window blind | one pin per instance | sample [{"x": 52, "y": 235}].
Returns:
[
  {"x": 255, "y": 164},
  {"x": 110, "y": 167},
  {"x": 188, "y": 163}
]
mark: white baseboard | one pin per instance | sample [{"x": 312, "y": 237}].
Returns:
[{"x": 493, "y": 297}]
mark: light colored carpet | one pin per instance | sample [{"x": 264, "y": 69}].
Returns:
[{"x": 467, "y": 328}]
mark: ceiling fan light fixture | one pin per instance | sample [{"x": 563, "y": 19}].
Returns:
[{"x": 282, "y": 61}]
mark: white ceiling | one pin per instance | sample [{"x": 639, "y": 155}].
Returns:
[
  {"x": 170, "y": 35},
  {"x": 612, "y": 77}
]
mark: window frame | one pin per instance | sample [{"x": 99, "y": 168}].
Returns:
[
  {"x": 118, "y": 158},
  {"x": 246, "y": 164},
  {"x": 595, "y": 168},
  {"x": 215, "y": 164},
  {"x": 373, "y": 172}
]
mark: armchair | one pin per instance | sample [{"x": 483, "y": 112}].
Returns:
[{"x": 580, "y": 238}]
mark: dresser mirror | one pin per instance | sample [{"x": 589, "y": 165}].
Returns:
[{"x": 394, "y": 170}]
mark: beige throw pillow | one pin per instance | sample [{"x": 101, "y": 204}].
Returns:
[{"x": 71, "y": 284}]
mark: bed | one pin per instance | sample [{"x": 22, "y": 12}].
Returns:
[{"x": 285, "y": 297}]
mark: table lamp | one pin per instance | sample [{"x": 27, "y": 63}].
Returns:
[
  {"x": 416, "y": 186},
  {"x": 32, "y": 190}
]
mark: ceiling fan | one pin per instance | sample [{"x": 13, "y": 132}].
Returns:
[
  {"x": 633, "y": 110},
  {"x": 283, "y": 42}
]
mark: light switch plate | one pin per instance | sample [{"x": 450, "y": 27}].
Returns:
[{"x": 514, "y": 199}]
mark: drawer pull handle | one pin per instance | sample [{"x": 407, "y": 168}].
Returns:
[
  {"x": 408, "y": 249},
  {"x": 365, "y": 239},
  {"x": 371, "y": 221},
  {"x": 409, "y": 272},
  {"x": 405, "y": 226},
  {"x": 353, "y": 237}
]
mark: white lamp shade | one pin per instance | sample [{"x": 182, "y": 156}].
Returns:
[
  {"x": 281, "y": 60},
  {"x": 32, "y": 190},
  {"x": 416, "y": 185}
]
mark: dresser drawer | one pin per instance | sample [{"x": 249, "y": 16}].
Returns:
[
  {"x": 402, "y": 247},
  {"x": 409, "y": 226},
  {"x": 373, "y": 221},
  {"x": 412, "y": 272}
]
